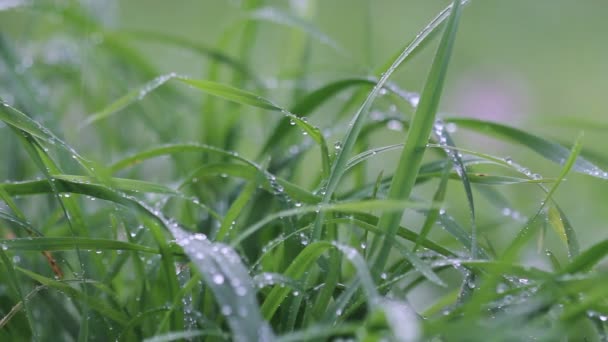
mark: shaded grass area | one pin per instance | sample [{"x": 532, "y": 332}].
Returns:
[{"x": 147, "y": 205}]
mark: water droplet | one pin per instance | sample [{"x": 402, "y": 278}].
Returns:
[
  {"x": 383, "y": 275},
  {"x": 415, "y": 100},
  {"x": 226, "y": 310},
  {"x": 451, "y": 127},
  {"x": 241, "y": 291},
  {"x": 218, "y": 279},
  {"x": 394, "y": 125},
  {"x": 338, "y": 146}
]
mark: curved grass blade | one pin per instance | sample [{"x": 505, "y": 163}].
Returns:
[
  {"x": 235, "y": 209},
  {"x": 361, "y": 206},
  {"x": 302, "y": 263},
  {"x": 70, "y": 243},
  {"x": 216, "y": 89},
  {"x": 368, "y": 223},
  {"x": 14, "y": 283},
  {"x": 67, "y": 183},
  {"x": 525, "y": 232},
  {"x": 177, "y": 148},
  {"x": 587, "y": 259},
  {"x": 417, "y": 138},
  {"x": 547, "y": 149},
  {"x": 488, "y": 289},
  {"x": 313, "y": 100},
  {"x": 433, "y": 214},
  {"x": 445, "y": 140},
  {"x": 230, "y": 283},
  {"x": 92, "y": 302},
  {"x": 250, "y": 173},
  {"x": 359, "y": 118}
]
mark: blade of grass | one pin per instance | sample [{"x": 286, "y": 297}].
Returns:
[
  {"x": 417, "y": 138},
  {"x": 359, "y": 118},
  {"x": 547, "y": 149}
]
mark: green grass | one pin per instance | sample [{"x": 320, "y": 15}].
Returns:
[{"x": 143, "y": 204}]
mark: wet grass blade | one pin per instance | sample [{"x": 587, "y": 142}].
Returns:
[
  {"x": 545, "y": 148},
  {"x": 358, "y": 120},
  {"x": 15, "y": 284},
  {"x": 219, "y": 90},
  {"x": 230, "y": 283},
  {"x": 93, "y": 303},
  {"x": 433, "y": 214},
  {"x": 417, "y": 138},
  {"x": 71, "y": 243}
]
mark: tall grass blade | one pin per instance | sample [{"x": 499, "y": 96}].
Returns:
[{"x": 417, "y": 138}]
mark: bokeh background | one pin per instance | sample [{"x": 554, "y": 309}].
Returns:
[{"x": 537, "y": 65}]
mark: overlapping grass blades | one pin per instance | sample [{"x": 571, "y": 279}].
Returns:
[
  {"x": 220, "y": 245},
  {"x": 418, "y": 136}
]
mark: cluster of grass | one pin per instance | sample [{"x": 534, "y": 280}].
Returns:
[{"x": 137, "y": 232}]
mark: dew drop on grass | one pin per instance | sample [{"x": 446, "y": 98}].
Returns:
[
  {"x": 451, "y": 127},
  {"x": 394, "y": 125},
  {"x": 415, "y": 100},
  {"x": 338, "y": 146},
  {"x": 501, "y": 288},
  {"x": 240, "y": 291},
  {"x": 226, "y": 310},
  {"x": 218, "y": 279}
]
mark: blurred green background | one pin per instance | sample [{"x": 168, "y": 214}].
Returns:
[{"x": 537, "y": 65}]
